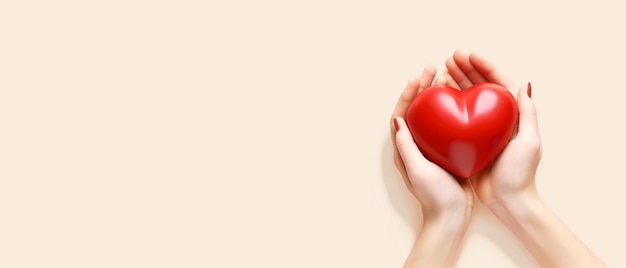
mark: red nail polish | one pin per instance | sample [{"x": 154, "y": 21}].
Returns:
[
  {"x": 529, "y": 90},
  {"x": 395, "y": 123}
]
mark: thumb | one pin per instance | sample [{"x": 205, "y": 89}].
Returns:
[
  {"x": 410, "y": 154},
  {"x": 528, "y": 126}
]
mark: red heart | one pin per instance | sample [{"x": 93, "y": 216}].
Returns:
[{"x": 462, "y": 131}]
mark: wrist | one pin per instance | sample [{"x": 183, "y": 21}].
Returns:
[
  {"x": 454, "y": 211},
  {"x": 438, "y": 241},
  {"x": 451, "y": 221},
  {"x": 520, "y": 207},
  {"x": 513, "y": 196}
]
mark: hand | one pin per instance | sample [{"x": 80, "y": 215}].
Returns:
[
  {"x": 446, "y": 202},
  {"x": 508, "y": 187},
  {"x": 437, "y": 191},
  {"x": 512, "y": 174}
]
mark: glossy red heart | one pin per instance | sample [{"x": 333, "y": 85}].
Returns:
[{"x": 462, "y": 131}]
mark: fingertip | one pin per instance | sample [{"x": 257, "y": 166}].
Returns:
[
  {"x": 399, "y": 123},
  {"x": 476, "y": 56},
  {"x": 450, "y": 63},
  {"x": 480, "y": 62},
  {"x": 527, "y": 111},
  {"x": 402, "y": 135},
  {"x": 427, "y": 77},
  {"x": 429, "y": 73},
  {"x": 458, "y": 54},
  {"x": 525, "y": 92},
  {"x": 395, "y": 123},
  {"x": 430, "y": 68}
]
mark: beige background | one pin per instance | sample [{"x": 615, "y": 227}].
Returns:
[{"x": 255, "y": 133}]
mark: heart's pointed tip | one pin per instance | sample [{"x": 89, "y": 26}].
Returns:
[{"x": 465, "y": 176}]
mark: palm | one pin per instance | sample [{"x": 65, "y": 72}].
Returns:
[
  {"x": 434, "y": 185},
  {"x": 510, "y": 173}
]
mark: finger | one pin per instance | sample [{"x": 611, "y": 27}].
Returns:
[
  {"x": 528, "y": 126},
  {"x": 427, "y": 77},
  {"x": 406, "y": 97},
  {"x": 410, "y": 154},
  {"x": 397, "y": 158},
  {"x": 414, "y": 86},
  {"x": 457, "y": 74},
  {"x": 463, "y": 61},
  {"x": 402, "y": 169},
  {"x": 441, "y": 80},
  {"x": 450, "y": 81},
  {"x": 489, "y": 71}
]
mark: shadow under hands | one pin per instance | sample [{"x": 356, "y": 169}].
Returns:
[{"x": 401, "y": 199}]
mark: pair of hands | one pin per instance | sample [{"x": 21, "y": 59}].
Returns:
[
  {"x": 507, "y": 186},
  {"x": 440, "y": 194}
]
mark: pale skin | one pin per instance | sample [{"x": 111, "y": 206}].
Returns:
[{"x": 507, "y": 187}]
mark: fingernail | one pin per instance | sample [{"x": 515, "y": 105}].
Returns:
[
  {"x": 529, "y": 90},
  {"x": 395, "y": 123}
]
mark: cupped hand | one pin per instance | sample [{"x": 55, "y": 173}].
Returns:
[
  {"x": 512, "y": 174},
  {"x": 438, "y": 192}
]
